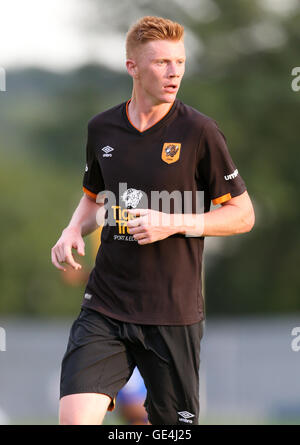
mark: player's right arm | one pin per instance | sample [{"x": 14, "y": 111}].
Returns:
[
  {"x": 85, "y": 217},
  {"x": 81, "y": 224}
]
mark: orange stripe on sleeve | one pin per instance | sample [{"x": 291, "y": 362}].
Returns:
[
  {"x": 222, "y": 199},
  {"x": 91, "y": 194}
]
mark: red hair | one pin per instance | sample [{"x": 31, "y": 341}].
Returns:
[{"x": 151, "y": 28}]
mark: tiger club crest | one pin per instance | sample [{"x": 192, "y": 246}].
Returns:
[{"x": 170, "y": 152}]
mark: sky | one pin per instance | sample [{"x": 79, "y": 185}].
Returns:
[{"x": 50, "y": 33}]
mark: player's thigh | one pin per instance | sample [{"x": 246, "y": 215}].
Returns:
[
  {"x": 170, "y": 368},
  {"x": 96, "y": 362},
  {"x": 83, "y": 409}
]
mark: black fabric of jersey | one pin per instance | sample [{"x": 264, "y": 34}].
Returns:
[{"x": 157, "y": 283}]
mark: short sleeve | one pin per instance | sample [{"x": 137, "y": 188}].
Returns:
[
  {"x": 215, "y": 168},
  {"x": 93, "y": 182}
]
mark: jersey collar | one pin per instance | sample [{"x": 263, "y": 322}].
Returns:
[{"x": 153, "y": 127}]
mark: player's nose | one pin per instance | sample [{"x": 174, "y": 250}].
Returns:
[{"x": 174, "y": 70}]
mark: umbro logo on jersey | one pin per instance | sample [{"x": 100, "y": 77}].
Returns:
[
  {"x": 232, "y": 175},
  {"x": 171, "y": 152},
  {"x": 185, "y": 416},
  {"x": 107, "y": 151},
  {"x": 87, "y": 296}
]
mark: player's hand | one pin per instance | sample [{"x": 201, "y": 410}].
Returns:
[
  {"x": 62, "y": 251},
  {"x": 150, "y": 225}
]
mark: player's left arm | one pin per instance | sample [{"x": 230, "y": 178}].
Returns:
[{"x": 233, "y": 217}]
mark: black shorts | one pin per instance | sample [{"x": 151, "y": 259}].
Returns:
[{"x": 102, "y": 353}]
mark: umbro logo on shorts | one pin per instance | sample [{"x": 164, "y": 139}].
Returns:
[
  {"x": 87, "y": 296},
  {"x": 107, "y": 151},
  {"x": 185, "y": 416}
]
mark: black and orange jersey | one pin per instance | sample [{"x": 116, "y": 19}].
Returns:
[{"x": 183, "y": 154}]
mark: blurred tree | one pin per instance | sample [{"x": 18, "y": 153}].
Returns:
[{"x": 241, "y": 57}]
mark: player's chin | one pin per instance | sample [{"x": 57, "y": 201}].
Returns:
[{"x": 168, "y": 97}]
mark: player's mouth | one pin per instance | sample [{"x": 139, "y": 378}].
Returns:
[{"x": 171, "y": 88}]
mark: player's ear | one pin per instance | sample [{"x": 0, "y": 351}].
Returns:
[{"x": 132, "y": 68}]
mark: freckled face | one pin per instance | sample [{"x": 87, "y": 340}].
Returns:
[{"x": 160, "y": 66}]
